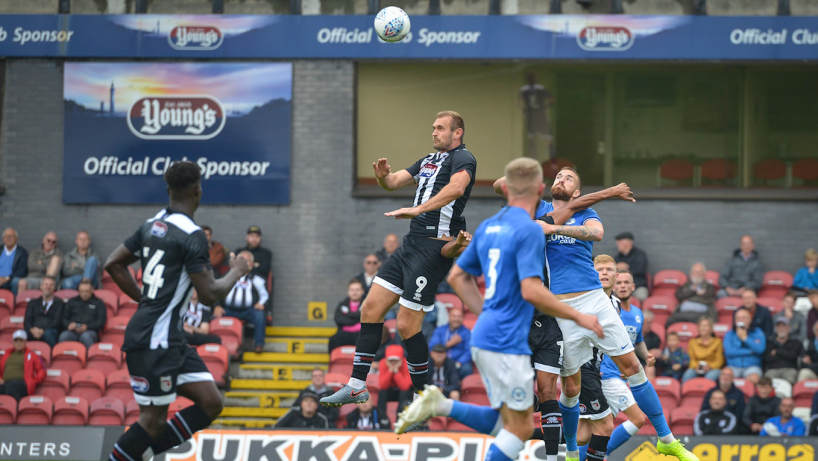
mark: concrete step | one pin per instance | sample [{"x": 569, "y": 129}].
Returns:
[
  {"x": 259, "y": 399},
  {"x": 297, "y": 345},
  {"x": 301, "y": 332},
  {"x": 276, "y": 371},
  {"x": 248, "y": 412},
  {"x": 282, "y": 357},
  {"x": 267, "y": 385}
]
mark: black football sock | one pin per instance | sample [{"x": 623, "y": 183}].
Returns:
[
  {"x": 597, "y": 447},
  {"x": 551, "y": 420},
  {"x": 369, "y": 340},
  {"x": 181, "y": 427},
  {"x": 417, "y": 358},
  {"x": 133, "y": 445}
]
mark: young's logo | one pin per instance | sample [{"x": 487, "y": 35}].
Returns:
[
  {"x": 428, "y": 170},
  {"x": 605, "y": 38},
  {"x": 195, "y": 117},
  {"x": 139, "y": 384},
  {"x": 159, "y": 229},
  {"x": 195, "y": 37}
]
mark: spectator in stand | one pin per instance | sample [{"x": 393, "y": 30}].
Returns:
[
  {"x": 42, "y": 262},
  {"x": 637, "y": 261},
  {"x": 365, "y": 418},
  {"x": 395, "y": 381},
  {"x": 43, "y": 320},
  {"x": 83, "y": 316},
  {"x": 783, "y": 351},
  {"x": 761, "y": 317},
  {"x": 443, "y": 372},
  {"x": 21, "y": 370},
  {"x": 812, "y": 315},
  {"x": 809, "y": 362},
  {"x": 371, "y": 266},
  {"x": 744, "y": 347},
  {"x": 716, "y": 420},
  {"x": 735, "y": 396},
  {"x": 390, "y": 244},
  {"x": 13, "y": 261},
  {"x": 761, "y": 406},
  {"x": 742, "y": 271},
  {"x": 652, "y": 341},
  {"x": 706, "y": 353},
  {"x": 80, "y": 263},
  {"x": 262, "y": 256},
  {"x": 798, "y": 324},
  {"x": 696, "y": 298},
  {"x": 457, "y": 339},
  {"x": 806, "y": 278},
  {"x": 218, "y": 253},
  {"x": 319, "y": 387},
  {"x": 784, "y": 425},
  {"x": 197, "y": 323},
  {"x": 304, "y": 416},
  {"x": 246, "y": 302},
  {"x": 348, "y": 317},
  {"x": 674, "y": 358}
]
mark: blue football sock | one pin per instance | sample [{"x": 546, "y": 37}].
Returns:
[
  {"x": 481, "y": 419},
  {"x": 495, "y": 454},
  {"x": 583, "y": 452},
  {"x": 620, "y": 435},
  {"x": 570, "y": 424},
  {"x": 649, "y": 403}
]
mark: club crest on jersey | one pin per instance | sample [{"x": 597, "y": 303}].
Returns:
[
  {"x": 570, "y": 222},
  {"x": 609, "y": 38},
  {"x": 582, "y": 408},
  {"x": 595, "y": 405},
  {"x": 194, "y": 117},
  {"x": 428, "y": 170},
  {"x": 518, "y": 394},
  {"x": 139, "y": 384},
  {"x": 195, "y": 37},
  {"x": 159, "y": 229},
  {"x": 165, "y": 383}
]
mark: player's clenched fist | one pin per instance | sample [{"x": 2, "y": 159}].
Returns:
[{"x": 239, "y": 263}]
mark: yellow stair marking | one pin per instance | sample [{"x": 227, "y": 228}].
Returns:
[
  {"x": 265, "y": 399},
  {"x": 302, "y": 332},
  {"x": 268, "y": 384},
  {"x": 248, "y": 412},
  {"x": 250, "y": 423},
  {"x": 285, "y": 358}
]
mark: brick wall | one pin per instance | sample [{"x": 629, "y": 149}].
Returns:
[{"x": 320, "y": 239}]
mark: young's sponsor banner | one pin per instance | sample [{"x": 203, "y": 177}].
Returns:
[
  {"x": 126, "y": 123},
  {"x": 587, "y": 37}
]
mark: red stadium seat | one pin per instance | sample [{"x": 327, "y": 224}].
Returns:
[
  {"x": 8, "y": 325},
  {"x": 28, "y": 295},
  {"x": 106, "y": 411},
  {"x": 343, "y": 354},
  {"x": 449, "y": 301},
  {"x": 35, "y": 410},
  {"x": 806, "y": 170},
  {"x": 6, "y": 303},
  {"x": 88, "y": 384},
  {"x": 717, "y": 172},
  {"x": 8, "y": 409},
  {"x": 178, "y": 405},
  {"x": 669, "y": 391},
  {"x": 667, "y": 281},
  {"x": 769, "y": 169},
  {"x": 774, "y": 305},
  {"x": 341, "y": 368},
  {"x": 337, "y": 380},
  {"x": 118, "y": 386},
  {"x": 685, "y": 330},
  {"x": 745, "y": 385},
  {"x": 392, "y": 326},
  {"x": 345, "y": 410},
  {"x": 127, "y": 306},
  {"x": 70, "y": 411},
  {"x": 681, "y": 419},
  {"x": 803, "y": 392},
  {"x": 472, "y": 390},
  {"x": 720, "y": 329},
  {"x": 713, "y": 278},
  {"x": 635, "y": 302},
  {"x": 42, "y": 349},
  {"x": 678, "y": 170},
  {"x": 775, "y": 284},
  {"x": 728, "y": 304},
  {"x": 660, "y": 332},
  {"x": 230, "y": 330},
  {"x": 437, "y": 424},
  {"x": 115, "y": 330},
  {"x": 693, "y": 391},
  {"x": 20, "y": 309},
  {"x": 661, "y": 306},
  {"x": 68, "y": 356},
  {"x": 131, "y": 412},
  {"x": 217, "y": 359},
  {"x": 55, "y": 385},
  {"x": 110, "y": 299},
  {"x": 469, "y": 322},
  {"x": 105, "y": 357},
  {"x": 455, "y": 426},
  {"x": 66, "y": 294}
]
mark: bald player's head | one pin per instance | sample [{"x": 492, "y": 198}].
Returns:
[
  {"x": 248, "y": 256},
  {"x": 524, "y": 178}
]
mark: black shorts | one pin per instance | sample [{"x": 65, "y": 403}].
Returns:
[
  {"x": 155, "y": 373},
  {"x": 414, "y": 272},
  {"x": 592, "y": 403},
  {"x": 545, "y": 341}
]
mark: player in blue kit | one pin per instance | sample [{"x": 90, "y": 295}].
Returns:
[
  {"x": 574, "y": 280},
  {"x": 509, "y": 250}
]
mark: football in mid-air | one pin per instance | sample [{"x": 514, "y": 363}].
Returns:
[{"x": 392, "y": 24}]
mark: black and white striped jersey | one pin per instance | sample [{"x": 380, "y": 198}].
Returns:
[
  {"x": 246, "y": 293},
  {"x": 432, "y": 173},
  {"x": 171, "y": 246}
]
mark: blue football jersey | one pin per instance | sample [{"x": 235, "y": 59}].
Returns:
[
  {"x": 570, "y": 262},
  {"x": 507, "y": 248},
  {"x": 633, "y": 323}
]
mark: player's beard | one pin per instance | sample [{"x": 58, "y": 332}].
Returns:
[{"x": 559, "y": 193}]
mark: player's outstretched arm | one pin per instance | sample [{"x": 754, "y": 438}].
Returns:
[
  {"x": 117, "y": 266},
  {"x": 590, "y": 232},
  {"x": 465, "y": 285},
  {"x": 388, "y": 180},
  {"x": 210, "y": 289},
  {"x": 457, "y": 246},
  {"x": 621, "y": 191},
  {"x": 535, "y": 293},
  {"x": 451, "y": 192}
]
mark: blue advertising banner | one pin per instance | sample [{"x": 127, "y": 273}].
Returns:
[
  {"x": 609, "y": 37},
  {"x": 126, "y": 123}
]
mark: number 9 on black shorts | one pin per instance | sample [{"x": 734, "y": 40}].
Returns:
[
  {"x": 414, "y": 271},
  {"x": 155, "y": 373}
]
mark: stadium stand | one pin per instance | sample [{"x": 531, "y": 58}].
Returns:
[
  {"x": 803, "y": 392},
  {"x": 105, "y": 357},
  {"x": 114, "y": 331},
  {"x": 681, "y": 419},
  {"x": 88, "y": 384},
  {"x": 666, "y": 282},
  {"x": 35, "y": 410},
  {"x": 68, "y": 356},
  {"x": 42, "y": 349},
  {"x": 66, "y": 294},
  {"x": 106, "y": 411},
  {"x": 6, "y": 303},
  {"x": 8, "y": 410},
  {"x": 693, "y": 391},
  {"x": 661, "y": 306},
  {"x": 216, "y": 357},
  {"x": 56, "y": 385},
  {"x": 118, "y": 386},
  {"x": 9, "y": 325},
  {"x": 775, "y": 284},
  {"x": 230, "y": 330},
  {"x": 668, "y": 390},
  {"x": 70, "y": 411}
]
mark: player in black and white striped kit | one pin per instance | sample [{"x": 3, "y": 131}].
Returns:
[
  {"x": 412, "y": 274},
  {"x": 175, "y": 258}
]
